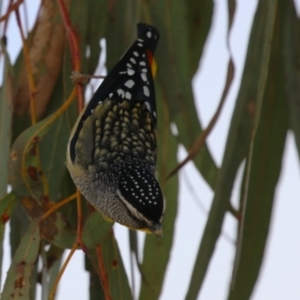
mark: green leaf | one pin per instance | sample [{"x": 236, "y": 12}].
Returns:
[
  {"x": 291, "y": 63},
  {"x": 121, "y": 29},
  {"x": 265, "y": 166},
  {"x": 17, "y": 284},
  {"x": 108, "y": 262},
  {"x": 237, "y": 146},
  {"x": 27, "y": 176},
  {"x": 54, "y": 259},
  {"x": 95, "y": 229},
  {"x": 175, "y": 65},
  {"x": 46, "y": 45},
  {"x": 6, "y": 205},
  {"x": 5, "y": 120},
  {"x": 199, "y": 20},
  {"x": 95, "y": 287}
]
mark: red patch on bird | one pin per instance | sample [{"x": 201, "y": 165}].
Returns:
[{"x": 150, "y": 57}]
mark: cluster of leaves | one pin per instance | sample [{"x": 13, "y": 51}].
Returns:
[{"x": 36, "y": 120}]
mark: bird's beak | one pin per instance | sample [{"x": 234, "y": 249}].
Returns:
[{"x": 157, "y": 230}]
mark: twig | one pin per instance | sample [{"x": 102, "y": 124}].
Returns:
[
  {"x": 103, "y": 274},
  {"x": 204, "y": 134}
]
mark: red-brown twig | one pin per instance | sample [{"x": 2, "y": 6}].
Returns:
[
  {"x": 103, "y": 274},
  {"x": 32, "y": 87},
  {"x": 61, "y": 272},
  {"x": 204, "y": 134},
  {"x": 11, "y": 7},
  {"x": 75, "y": 52}
]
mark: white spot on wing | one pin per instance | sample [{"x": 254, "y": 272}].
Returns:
[
  {"x": 120, "y": 92},
  {"x": 128, "y": 95},
  {"x": 110, "y": 95},
  {"x": 140, "y": 44},
  {"x": 142, "y": 63},
  {"x": 129, "y": 65},
  {"x": 149, "y": 34},
  {"x": 146, "y": 91},
  {"x": 149, "y": 108},
  {"x": 133, "y": 60},
  {"x": 129, "y": 83},
  {"x": 135, "y": 54},
  {"x": 130, "y": 72}
]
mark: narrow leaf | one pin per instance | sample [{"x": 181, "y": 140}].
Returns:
[
  {"x": 237, "y": 147},
  {"x": 5, "y": 120},
  {"x": 265, "y": 167},
  {"x": 17, "y": 284},
  {"x": 6, "y": 205},
  {"x": 174, "y": 62},
  {"x": 291, "y": 59}
]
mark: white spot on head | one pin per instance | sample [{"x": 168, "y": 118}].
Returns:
[
  {"x": 135, "y": 54},
  {"x": 120, "y": 92},
  {"x": 142, "y": 63},
  {"x": 148, "y": 107},
  {"x": 149, "y": 34},
  {"x": 146, "y": 91},
  {"x": 129, "y": 83},
  {"x": 133, "y": 60},
  {"x": 130, "y": 72},
  {"x": 128, "y": 95}
]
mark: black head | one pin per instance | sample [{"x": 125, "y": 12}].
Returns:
[
  {"x": 140, "y": 191},
  {"x": 149, "y": 35}
]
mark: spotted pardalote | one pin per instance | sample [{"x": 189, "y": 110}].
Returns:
[{"x": 112, "y": 149}]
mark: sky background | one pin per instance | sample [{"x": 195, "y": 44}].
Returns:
[{"x": 279, "y": 277}]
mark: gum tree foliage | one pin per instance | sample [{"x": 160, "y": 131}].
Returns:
[{"x": 36, "y": 123}]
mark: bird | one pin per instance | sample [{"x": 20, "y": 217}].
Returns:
[{"x": 112, "y": 149}]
